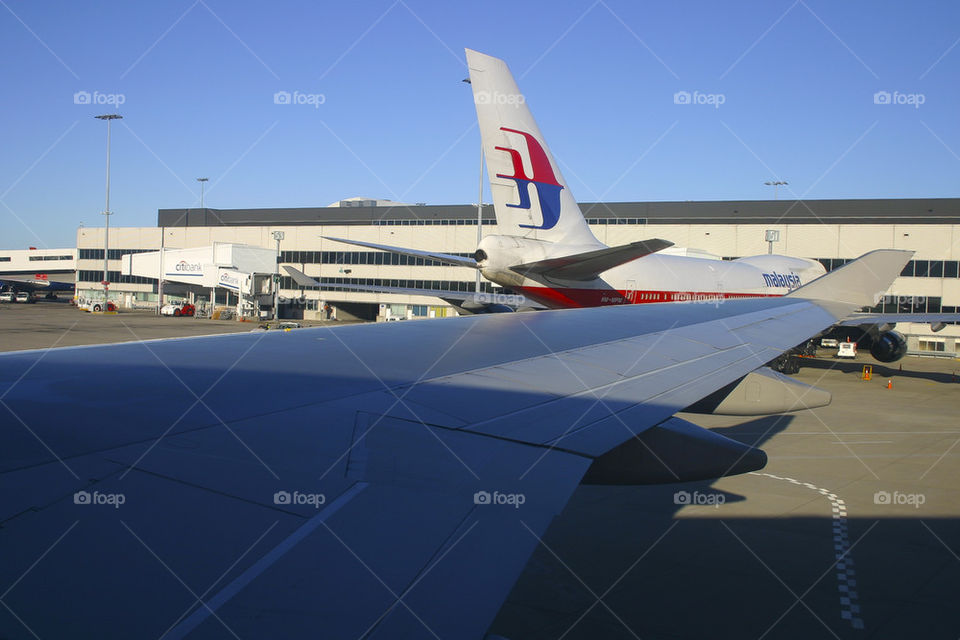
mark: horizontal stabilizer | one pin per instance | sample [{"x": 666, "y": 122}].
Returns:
[
  {"x": 466, "y": 301},
  {"x": 457, "y": 261},
  {"x": 859, "y": 283},
  {"x": 302, "y": 279},
  {"x": 674, "y": 451},
  {"x": 587, "y": 266}
]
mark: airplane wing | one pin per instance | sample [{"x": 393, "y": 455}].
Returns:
[
  {"x": 861, "y": 277},
  {"x": 365, "y": 481},
  {"x": 469, "y": 301},
  {"x": 588, "y": 265},
  {"x": 457, "y": 261},
  {"x": 35, "y": 284}
]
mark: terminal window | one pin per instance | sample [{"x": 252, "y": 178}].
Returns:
[{"x": 932, "y": 344}]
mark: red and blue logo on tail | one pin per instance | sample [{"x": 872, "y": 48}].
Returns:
[{"x": 548, "y": 189}]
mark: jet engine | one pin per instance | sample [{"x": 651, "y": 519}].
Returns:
[{"x": 889, "y": 346}]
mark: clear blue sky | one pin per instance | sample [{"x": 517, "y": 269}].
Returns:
[{"x": 797, "y": 80}]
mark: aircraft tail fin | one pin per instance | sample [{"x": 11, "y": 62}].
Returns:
[{"x": 530, "y": 196}]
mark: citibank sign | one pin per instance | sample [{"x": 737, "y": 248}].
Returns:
[{"x": 187, "y": 267}]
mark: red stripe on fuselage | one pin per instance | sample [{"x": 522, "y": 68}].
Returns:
[{"x": 567, "y": 298}]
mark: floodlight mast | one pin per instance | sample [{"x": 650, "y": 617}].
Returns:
[{"x": 106, "y": 213}]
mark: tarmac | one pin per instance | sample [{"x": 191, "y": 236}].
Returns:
[
  {"x": 48, "y": 323},
  {"x": 851, "y": 531}
]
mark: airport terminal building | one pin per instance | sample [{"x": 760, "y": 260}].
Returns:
[{"x": 831, "y": 231}]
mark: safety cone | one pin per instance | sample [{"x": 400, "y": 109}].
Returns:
[{"x": 889, "y": 384}]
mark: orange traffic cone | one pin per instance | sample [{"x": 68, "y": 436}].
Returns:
[{"x": 889, "y": 384}]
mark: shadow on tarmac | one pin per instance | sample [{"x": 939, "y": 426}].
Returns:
[
  {"x": 881, "y": 370},
  {"x": 650, "y": 562}
]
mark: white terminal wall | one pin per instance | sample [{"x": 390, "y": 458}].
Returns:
[{"x": 930, "y": 241}]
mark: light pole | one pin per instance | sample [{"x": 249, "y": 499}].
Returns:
[
  {"x": 479, "y": 211},
  {"x": 106, "y": 214},
  {"x": 202, "y": 181},
  {"x": 479, "y": 202},
  {"x": 213, "y": 290},
  {"x": 278, "y": 236},
  {"x": 776, "y": 185},
  {"x": 160, "y": 272}
]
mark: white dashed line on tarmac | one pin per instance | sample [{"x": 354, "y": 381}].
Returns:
[{"x": 846, "y": 580}]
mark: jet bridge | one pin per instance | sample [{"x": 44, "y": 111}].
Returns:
[{"x": 242, "y": 270}]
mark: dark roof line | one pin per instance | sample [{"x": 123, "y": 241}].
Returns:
[{"x": 854, "y": 211}]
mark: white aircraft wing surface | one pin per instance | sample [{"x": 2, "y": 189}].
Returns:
[{"x": 371, "y": 481}]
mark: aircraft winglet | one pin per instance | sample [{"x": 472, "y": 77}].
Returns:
[{"x": 859, "y": 283}]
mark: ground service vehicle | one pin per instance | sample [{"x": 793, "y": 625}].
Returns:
[
  {"x": 178, "y": 309},
  {"x": 847, "y": 350}
]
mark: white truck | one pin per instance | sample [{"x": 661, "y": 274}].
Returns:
[
  {"x": 94, "y": 304},
  {"x": 847, "y": 350}
]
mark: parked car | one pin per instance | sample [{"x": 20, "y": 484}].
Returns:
[
  {"x": 24, "y": 296},
  {"x": 6, "y": 296},
  {"x": 828, "y": 343},
  {"x": 178, "y": 309}
]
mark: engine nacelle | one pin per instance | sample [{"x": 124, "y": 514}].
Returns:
[
  {"x": 674, "y": 451},
  {"x": 889, "y": 347}
]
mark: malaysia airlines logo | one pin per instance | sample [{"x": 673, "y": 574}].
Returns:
[
  {"x": 548, "y": 189},
  {"x": 775, "y": 279}
]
